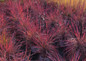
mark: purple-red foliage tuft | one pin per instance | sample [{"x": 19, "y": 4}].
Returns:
[{"x": 37, "y": 30}]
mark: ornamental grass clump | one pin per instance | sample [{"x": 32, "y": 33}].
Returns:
[{"x": 36, "y": 30}]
